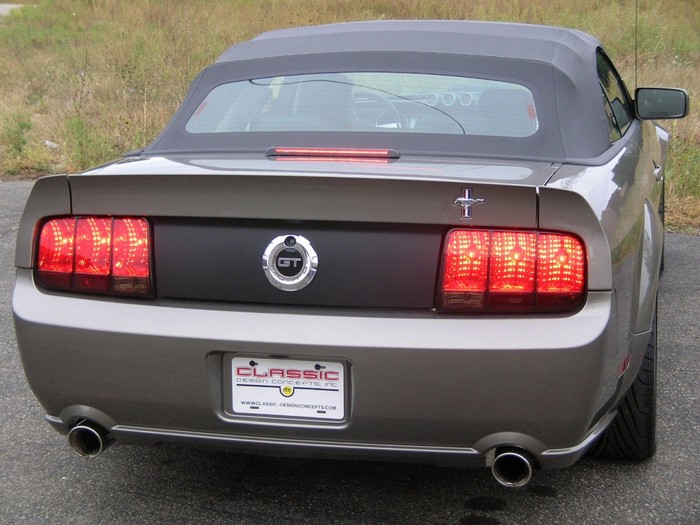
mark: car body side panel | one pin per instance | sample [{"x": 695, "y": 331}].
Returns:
[
  {"x": 624, "y": 194},
  {"x": 651, "y": 177},
  {"x": 649, "y": 268}
]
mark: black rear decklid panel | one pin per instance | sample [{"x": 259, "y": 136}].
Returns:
[{"x": 359, "y": 264}]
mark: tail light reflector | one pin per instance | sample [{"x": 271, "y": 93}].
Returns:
[
  {"x": 105, "y": 255},
  {"x": 512, "y": 271}
]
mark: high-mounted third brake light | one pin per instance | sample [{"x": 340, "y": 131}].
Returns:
[
  {"x": 512, "y": 271},
  {"x": 104, "y": 255},
  {"x": 333, "y": 154}
]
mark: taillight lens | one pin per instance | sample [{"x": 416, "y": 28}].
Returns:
[
  {"x": 512, "y": 271},
  {"x": 106, "y": 255}
]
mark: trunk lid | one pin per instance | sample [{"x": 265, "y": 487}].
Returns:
[{"x": 377, "y": 231}]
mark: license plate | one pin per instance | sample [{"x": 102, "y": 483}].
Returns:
[{"x": 288, "y": 388}]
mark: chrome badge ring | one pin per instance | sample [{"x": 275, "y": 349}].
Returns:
[{"x": 290, "y": 262}]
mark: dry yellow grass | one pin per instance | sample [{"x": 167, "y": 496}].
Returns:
[{"x": 85, "y": 80}]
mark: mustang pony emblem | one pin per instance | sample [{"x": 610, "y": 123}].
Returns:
[{"x": 466, "y": 202}]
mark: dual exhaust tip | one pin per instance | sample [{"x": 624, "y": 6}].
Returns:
[
  {"x": 511, "y": 467},
  {"x": 88, "y": 439}
]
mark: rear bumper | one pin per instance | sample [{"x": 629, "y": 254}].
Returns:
[
  {"x": 448, "y": 456},
  {"x": 421, "y": 386}
]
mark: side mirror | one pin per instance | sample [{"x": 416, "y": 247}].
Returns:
[{"x": 661, "y": 103}]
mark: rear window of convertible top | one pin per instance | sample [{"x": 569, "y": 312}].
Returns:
[{"x": 368, "y": 102}]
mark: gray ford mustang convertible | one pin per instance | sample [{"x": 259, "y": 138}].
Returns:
[{"x": 425, "y": 241}]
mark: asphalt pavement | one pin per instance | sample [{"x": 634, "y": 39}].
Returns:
[{"x": 43, "y": 481}]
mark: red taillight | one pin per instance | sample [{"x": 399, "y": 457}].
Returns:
[
  {"x": 561, "y": 267},
  {"x": 130, "y": 248},
  {"x": 93, "y": 245},
  {"x": 96, "y": 254},
  {"x": 512, "y": 271},
  {"x": 466, "y": 262},
  {"x": 57, "y": 245}
]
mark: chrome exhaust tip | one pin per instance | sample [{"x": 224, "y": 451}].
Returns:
[
  {"x": 512, "y": 468},
  {"x": 88, "y": 439}
]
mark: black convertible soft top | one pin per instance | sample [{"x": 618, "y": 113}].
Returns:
[
  {"x": 558, "y": 66},
  {"x": 568, "y": 49}
]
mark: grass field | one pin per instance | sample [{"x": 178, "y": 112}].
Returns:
[{"x": 85, "y": 80}]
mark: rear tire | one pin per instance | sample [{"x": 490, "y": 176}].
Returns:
[{"x": 632, "y": 434}]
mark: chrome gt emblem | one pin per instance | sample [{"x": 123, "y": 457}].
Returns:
[
  {"x": 289, "y": 262},
  {"x": 467, "y": 202}
]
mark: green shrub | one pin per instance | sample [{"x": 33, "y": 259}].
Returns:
[{"x": 14, "y": 133}]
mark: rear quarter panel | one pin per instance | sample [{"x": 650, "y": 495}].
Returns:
[{"x": 625, "y": 194}]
